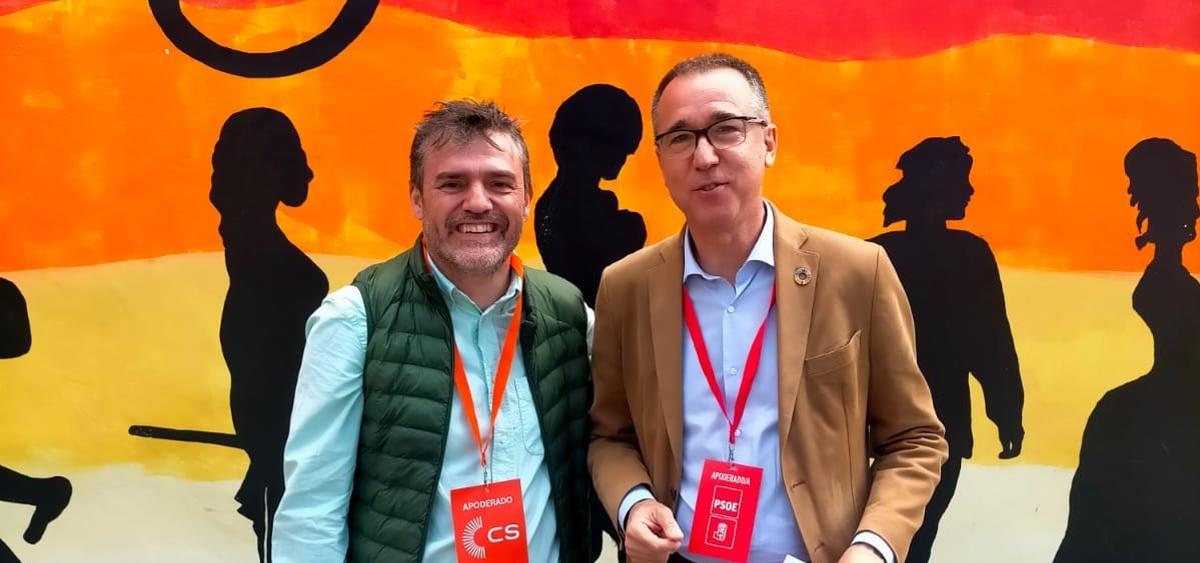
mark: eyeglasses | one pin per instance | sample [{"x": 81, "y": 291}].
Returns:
[{"x": 725, "y": 134}]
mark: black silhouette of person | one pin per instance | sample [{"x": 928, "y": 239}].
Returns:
[
  {"x": 1136, "y": 493},
  {"x": 258, "y": 163},
  {"x": 953, "y": 285},
  {"x": 49, "y": 496},
  {"x": 580, "y": 228}
]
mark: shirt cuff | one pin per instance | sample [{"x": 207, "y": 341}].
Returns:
[
  {"x": 634, "y": 496},
  {"x": 874, "y": 541},
  {"x": 591, "y": 327}
]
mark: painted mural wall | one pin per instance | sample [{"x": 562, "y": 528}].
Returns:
[{"x": 181, "y": 183}]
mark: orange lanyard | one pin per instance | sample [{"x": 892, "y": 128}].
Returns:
[{"x": 503, "y": 369}]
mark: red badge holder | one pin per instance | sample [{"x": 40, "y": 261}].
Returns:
[
  {"x": 489, "y": 523},
  {"x": 723, "y": 526}
]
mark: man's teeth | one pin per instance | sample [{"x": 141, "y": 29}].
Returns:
[{"x": 477, "y": 228}]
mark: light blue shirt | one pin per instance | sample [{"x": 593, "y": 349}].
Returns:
[
  {"x": 729, "y": 316},
  {"x": 322, "y": 447}
]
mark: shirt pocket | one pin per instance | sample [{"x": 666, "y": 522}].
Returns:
[{"x": 531, "y": 431}]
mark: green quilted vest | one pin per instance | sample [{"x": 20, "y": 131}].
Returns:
[{"x": 407, "y": 391}]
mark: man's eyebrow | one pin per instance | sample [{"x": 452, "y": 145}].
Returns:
[
  {"x": 491, "y": 174},
  {"x": 718, "y": 115},
  {"x": 681, "y": 124}
]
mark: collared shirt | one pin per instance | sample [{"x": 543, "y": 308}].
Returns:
[
  {"x": 322, "y": 448},
  {"x": 729, "y": 315}
]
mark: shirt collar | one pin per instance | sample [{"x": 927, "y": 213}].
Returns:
[
  {"x": 763, "y": 251},
  {"x": 455, "y": 296}
]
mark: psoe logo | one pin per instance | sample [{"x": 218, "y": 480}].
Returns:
[
  {"x": 496, "y": 534},
  {"x": 725, "y": 505}
]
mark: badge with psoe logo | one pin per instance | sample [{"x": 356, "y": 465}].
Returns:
[
  {"x": 725, "y": 508},
  {"x": 489, "y": 523}
]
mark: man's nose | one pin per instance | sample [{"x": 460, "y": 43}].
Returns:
[
  {"x": 476, "y": 199},
  {"x": 705, "y": 155}
]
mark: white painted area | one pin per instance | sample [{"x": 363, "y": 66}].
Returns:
[
  {"x": 122, "y": 515},
  {"x": 1005, "y": 514}
]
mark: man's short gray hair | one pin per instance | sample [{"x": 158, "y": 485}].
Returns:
[
  {"x": 461, "y": 121},
  {"x": 715, "y": 61}
]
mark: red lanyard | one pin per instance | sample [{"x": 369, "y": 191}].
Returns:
[
  {"x": 748, "y": 374},
  {"x": 503, "y": 369}
]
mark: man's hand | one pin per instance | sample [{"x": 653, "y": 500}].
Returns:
[
  {"x": 1010, "y": 441},
  {"x": 860, "y": 553},
  {"x": 651, "y": 533}
]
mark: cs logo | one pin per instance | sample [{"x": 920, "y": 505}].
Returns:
[
  {"x": 496, "y": 534},
  {"x": 504, "y": 533}
]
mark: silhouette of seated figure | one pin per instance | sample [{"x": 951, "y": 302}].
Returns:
[
  {"x": 49, "y": 496},
  {"x": 258, "y": 163},
  {"x": 580, "y": 228},
  {"x": 953, "y": 285},
  {"x": 1136, "y": 491}
]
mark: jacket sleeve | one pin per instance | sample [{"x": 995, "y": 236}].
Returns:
[
  {"x": 614, "y": 458},
  {"x": 905, "y": 435}
]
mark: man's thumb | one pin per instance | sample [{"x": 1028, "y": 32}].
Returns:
[{"x": 670, "y": 527}]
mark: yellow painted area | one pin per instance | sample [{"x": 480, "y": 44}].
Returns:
[
  {"x": 131, "y": 343},
  {"x": 136, "y": 343},
  {"x": 1077, "y": 336}
]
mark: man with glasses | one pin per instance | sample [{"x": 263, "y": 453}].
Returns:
[{"x": 749, "y": 368}]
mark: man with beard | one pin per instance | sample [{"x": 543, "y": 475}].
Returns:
[{"x": 441, "y": 407}]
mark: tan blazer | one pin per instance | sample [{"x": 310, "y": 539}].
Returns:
[{"x": 849, "y": 388}]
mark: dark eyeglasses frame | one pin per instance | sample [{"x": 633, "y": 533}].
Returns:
[{"x": 748, "y": 119}]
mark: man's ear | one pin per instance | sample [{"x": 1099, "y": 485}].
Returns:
[
  {"x": 416, "y": 198},
  {"x": 771, "y": 140},
  {"x": 528, "y": 197}
]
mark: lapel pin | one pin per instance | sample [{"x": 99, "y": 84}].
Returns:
[{"x": 801, "y": 276}]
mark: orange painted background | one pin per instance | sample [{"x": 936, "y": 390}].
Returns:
[{"x": 104, "y": 153}]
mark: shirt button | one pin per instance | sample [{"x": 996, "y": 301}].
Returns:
[
  {"x": 732, "y": 371},
  {"x": 737, "y": 432},
  {"x": 730, "y": 309}
]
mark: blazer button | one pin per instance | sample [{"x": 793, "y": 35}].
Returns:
[{"x": 674, "y": 496}]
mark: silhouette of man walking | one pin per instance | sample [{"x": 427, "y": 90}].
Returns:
[{"x": 953, "y": 285}]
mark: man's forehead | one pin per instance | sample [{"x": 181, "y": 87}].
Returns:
[
  {"x": 477, "y": 158},
  {"x": 695, "y": 100},
  {"x": 698, "y": 117},
  {"x": 501, "y": 151}
]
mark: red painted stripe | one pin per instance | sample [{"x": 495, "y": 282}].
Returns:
[
  {"x": 818, "y": 29},
  {"x": 834, "y": 29},
  {"x": 8, "y": 6}
]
